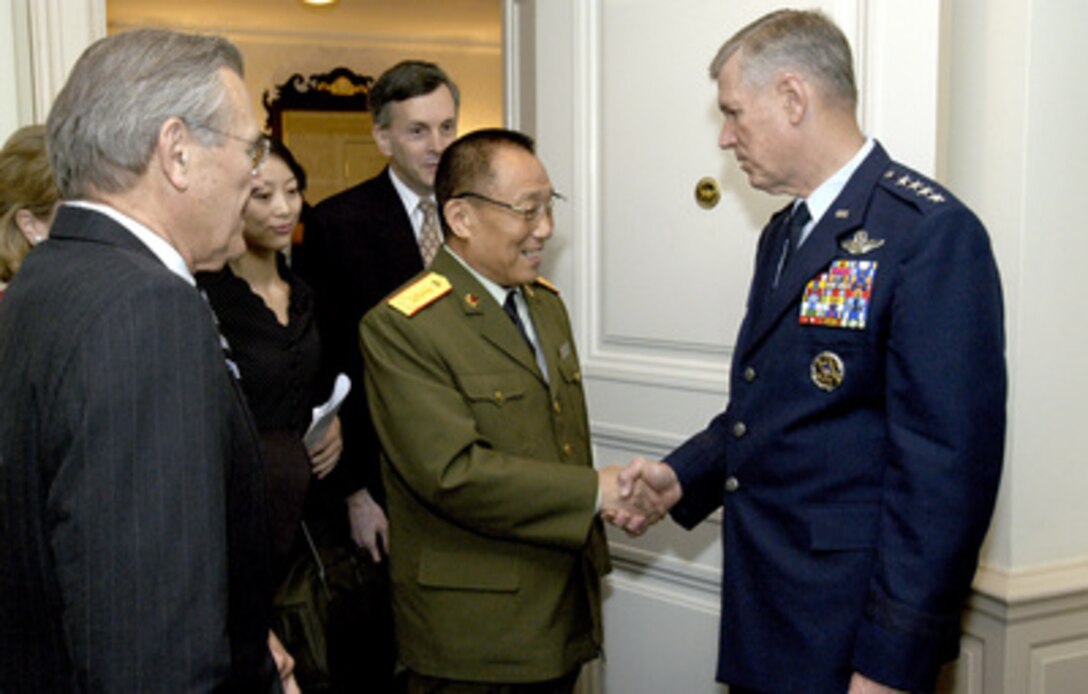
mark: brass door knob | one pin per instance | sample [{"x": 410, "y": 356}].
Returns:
[{"x": 707, "y": 192}]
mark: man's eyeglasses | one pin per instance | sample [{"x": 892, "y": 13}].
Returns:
[
  {"x": 256, "y": 149},
  {"x": 530, "y": 213}
]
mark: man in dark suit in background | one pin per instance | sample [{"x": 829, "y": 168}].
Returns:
[
  {"x": 133, "y": 539},
  {"x": 858, "y": 460},
  {"x": 364, "y": 242}
]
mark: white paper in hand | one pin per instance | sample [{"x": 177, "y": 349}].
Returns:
[{"x": 324, "y": 413}]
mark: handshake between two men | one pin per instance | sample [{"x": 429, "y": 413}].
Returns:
[{"x": 635, "y": 497}]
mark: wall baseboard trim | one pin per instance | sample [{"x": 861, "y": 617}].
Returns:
[
  {"x": 1030, "y": 584},
  {"x": 999, "y": 592}
]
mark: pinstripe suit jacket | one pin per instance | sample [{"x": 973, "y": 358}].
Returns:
[{"x": 133, "y": 546}]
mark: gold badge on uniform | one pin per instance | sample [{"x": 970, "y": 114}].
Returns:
[{"x": 827, "y": 371}]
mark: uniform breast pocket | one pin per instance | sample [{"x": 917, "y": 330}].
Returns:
[
  {"x": 493, "y": 390},
  {"x": 501, "y": 403},
  {"x": 845, "y": 364}
]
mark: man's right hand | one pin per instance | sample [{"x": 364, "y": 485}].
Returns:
[
  {"x": 642, "y": 482},
  {"x": 636, "y": 497}
]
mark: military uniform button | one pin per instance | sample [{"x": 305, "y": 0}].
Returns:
[
  {"x": 732, "y": 484},
  {"x": 740, "y": 429},
  {"x": 749, "y": 374},
  {"x": 568, "y": 450},
  {"x": 556, "y": 407},
  {"x": 498, "y": 396}
]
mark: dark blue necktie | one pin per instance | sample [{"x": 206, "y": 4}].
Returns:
[
  {"x": 798, "y": 220},
  {"x": 511, "y": 309}
]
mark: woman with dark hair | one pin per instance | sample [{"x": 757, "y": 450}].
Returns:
[
  {"x": 266, "y": 313},
  {"x": 267, "y": 316}
]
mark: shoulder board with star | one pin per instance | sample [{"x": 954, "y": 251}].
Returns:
[
  {"x": 547, "y": 285},
  {"x": 910, "y": 186},
  {"x": 420, "y": 294}
]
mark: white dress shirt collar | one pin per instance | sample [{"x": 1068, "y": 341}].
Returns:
[
  {"x": 496, "y": 290},
  {"x": 819, "y": 201},
  {"x": 410, "y": 199},
  {"x": 162, "y": 249}
]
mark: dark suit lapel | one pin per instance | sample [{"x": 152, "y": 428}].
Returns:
[
  {"x": 485, "y": 314},
  {"x": 393, "y": 230},
  {"x": 816, "y": 253}
]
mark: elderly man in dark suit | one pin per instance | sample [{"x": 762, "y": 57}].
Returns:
[
  {"x": 476, "y": 393},
  {"x": 858, "y": 460},
  {"x": 133, "y": 539}
]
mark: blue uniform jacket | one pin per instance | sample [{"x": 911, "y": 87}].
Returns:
[{"x": 858, "y": 459}]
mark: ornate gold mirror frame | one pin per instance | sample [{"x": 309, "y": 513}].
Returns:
[{"x": 325, "y": 122}]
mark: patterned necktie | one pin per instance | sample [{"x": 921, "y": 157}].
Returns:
[
  {"x": 798, "y": 220},
  {"x": 430, "y": 239},
  {"x": 511, "y": 309}
]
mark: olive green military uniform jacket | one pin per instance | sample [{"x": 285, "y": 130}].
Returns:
[{"x": 496, "y": 551}]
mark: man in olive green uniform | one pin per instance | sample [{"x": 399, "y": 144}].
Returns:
[{"x": 497, "y": 548}]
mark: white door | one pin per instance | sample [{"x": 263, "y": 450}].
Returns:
[{"x": 618, "y": 95}]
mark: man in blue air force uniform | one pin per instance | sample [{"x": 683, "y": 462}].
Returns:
[{"x": 858, "y": 460}]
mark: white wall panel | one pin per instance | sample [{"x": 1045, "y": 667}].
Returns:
[
  {"x": 1060, "y": 667},
  {"x": 643, "y": 617}
]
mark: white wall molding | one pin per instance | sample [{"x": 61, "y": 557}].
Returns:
[
  {"x": 587, "y": 172},
  {"x": 1025, "y": 586},
  {"x": 681, "y": 583},
  {"x": 662, "y": 372},
  {"x": 519, "y": 64},
  {"x": 628, "y": 438}
]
